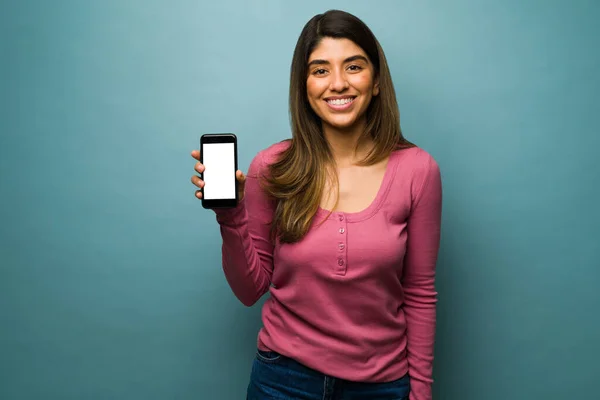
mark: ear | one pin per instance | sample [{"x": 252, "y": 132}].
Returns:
[{"x": 376, "y": 88}]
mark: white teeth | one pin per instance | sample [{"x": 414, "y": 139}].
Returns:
[{"x": 340, "y": 102}]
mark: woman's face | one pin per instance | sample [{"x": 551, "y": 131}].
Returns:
[{"x": 340, "y": 83}]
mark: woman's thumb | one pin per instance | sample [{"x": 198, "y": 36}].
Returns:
[
  {"x": 241, "y": 177},
  {"x": 242, "y": 183}
]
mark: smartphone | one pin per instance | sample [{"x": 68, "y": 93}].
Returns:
[{"x": 218, "y": 154}]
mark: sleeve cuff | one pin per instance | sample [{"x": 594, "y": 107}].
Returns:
[{"x": 231, "y": 216}]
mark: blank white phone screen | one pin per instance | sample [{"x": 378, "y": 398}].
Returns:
[{"x": 219, "y": 172}]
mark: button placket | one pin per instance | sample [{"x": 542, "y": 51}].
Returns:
[{"x": 341, "y": 244}]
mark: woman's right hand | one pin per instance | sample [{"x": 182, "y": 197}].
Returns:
[{"x": 199, "y": 167}]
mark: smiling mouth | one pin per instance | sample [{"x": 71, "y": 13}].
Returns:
[{"x": 340, "y": 102}]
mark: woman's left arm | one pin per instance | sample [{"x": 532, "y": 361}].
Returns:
[{"x": 418, "y": 279}]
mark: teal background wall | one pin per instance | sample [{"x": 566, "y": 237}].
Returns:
[{"x": 110, "y": 280}]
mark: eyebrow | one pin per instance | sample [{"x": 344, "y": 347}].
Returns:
[{"x": 347, "y": 60}]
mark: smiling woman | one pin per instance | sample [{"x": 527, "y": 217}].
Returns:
[
  {"x": 341, "y": 225},
  {"x": 336, "y": 58}
]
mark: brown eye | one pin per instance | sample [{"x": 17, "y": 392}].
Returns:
[
  {"x": 320, "y": 71},
  {"x": 354, "y": 68}
]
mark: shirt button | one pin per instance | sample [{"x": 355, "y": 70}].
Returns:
[
  {"x": 342, "y": 246},
  {"x": 340, "y": 262},
  {"x": 341, "y": 217},
  {"x": 342, "y": 230}
]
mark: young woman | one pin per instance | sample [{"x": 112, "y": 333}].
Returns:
[{"x": 341, "y": 225}]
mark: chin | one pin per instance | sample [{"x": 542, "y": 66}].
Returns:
[{"x": 341, "y": 124}]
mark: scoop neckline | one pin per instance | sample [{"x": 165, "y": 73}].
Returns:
[{"x": 373, "y": 207}]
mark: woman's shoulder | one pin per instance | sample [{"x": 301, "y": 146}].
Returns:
[
  {"x": 268, "y": 156},
  {"x": 416, "y": 156},
  {"x": 416, "y": 165},
  {"x": 271, "y": 153}
]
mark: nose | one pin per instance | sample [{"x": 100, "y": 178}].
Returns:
[{"x": 338, "y": 81}]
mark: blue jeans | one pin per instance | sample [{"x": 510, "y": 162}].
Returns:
[{"x": 276, "y": 377}]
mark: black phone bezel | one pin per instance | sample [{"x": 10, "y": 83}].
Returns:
[{"x": 220, "y": 138}]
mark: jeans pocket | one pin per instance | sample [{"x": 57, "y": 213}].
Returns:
[{"x": 269, "y": 357}]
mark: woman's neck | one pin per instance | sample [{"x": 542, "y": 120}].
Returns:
[{"x": 343, "y": 143}]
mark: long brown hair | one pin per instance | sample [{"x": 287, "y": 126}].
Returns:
[{"x": 298, "y": 177}]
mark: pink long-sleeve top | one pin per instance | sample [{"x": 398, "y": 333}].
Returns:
[{"x": 355, "y": 298}]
